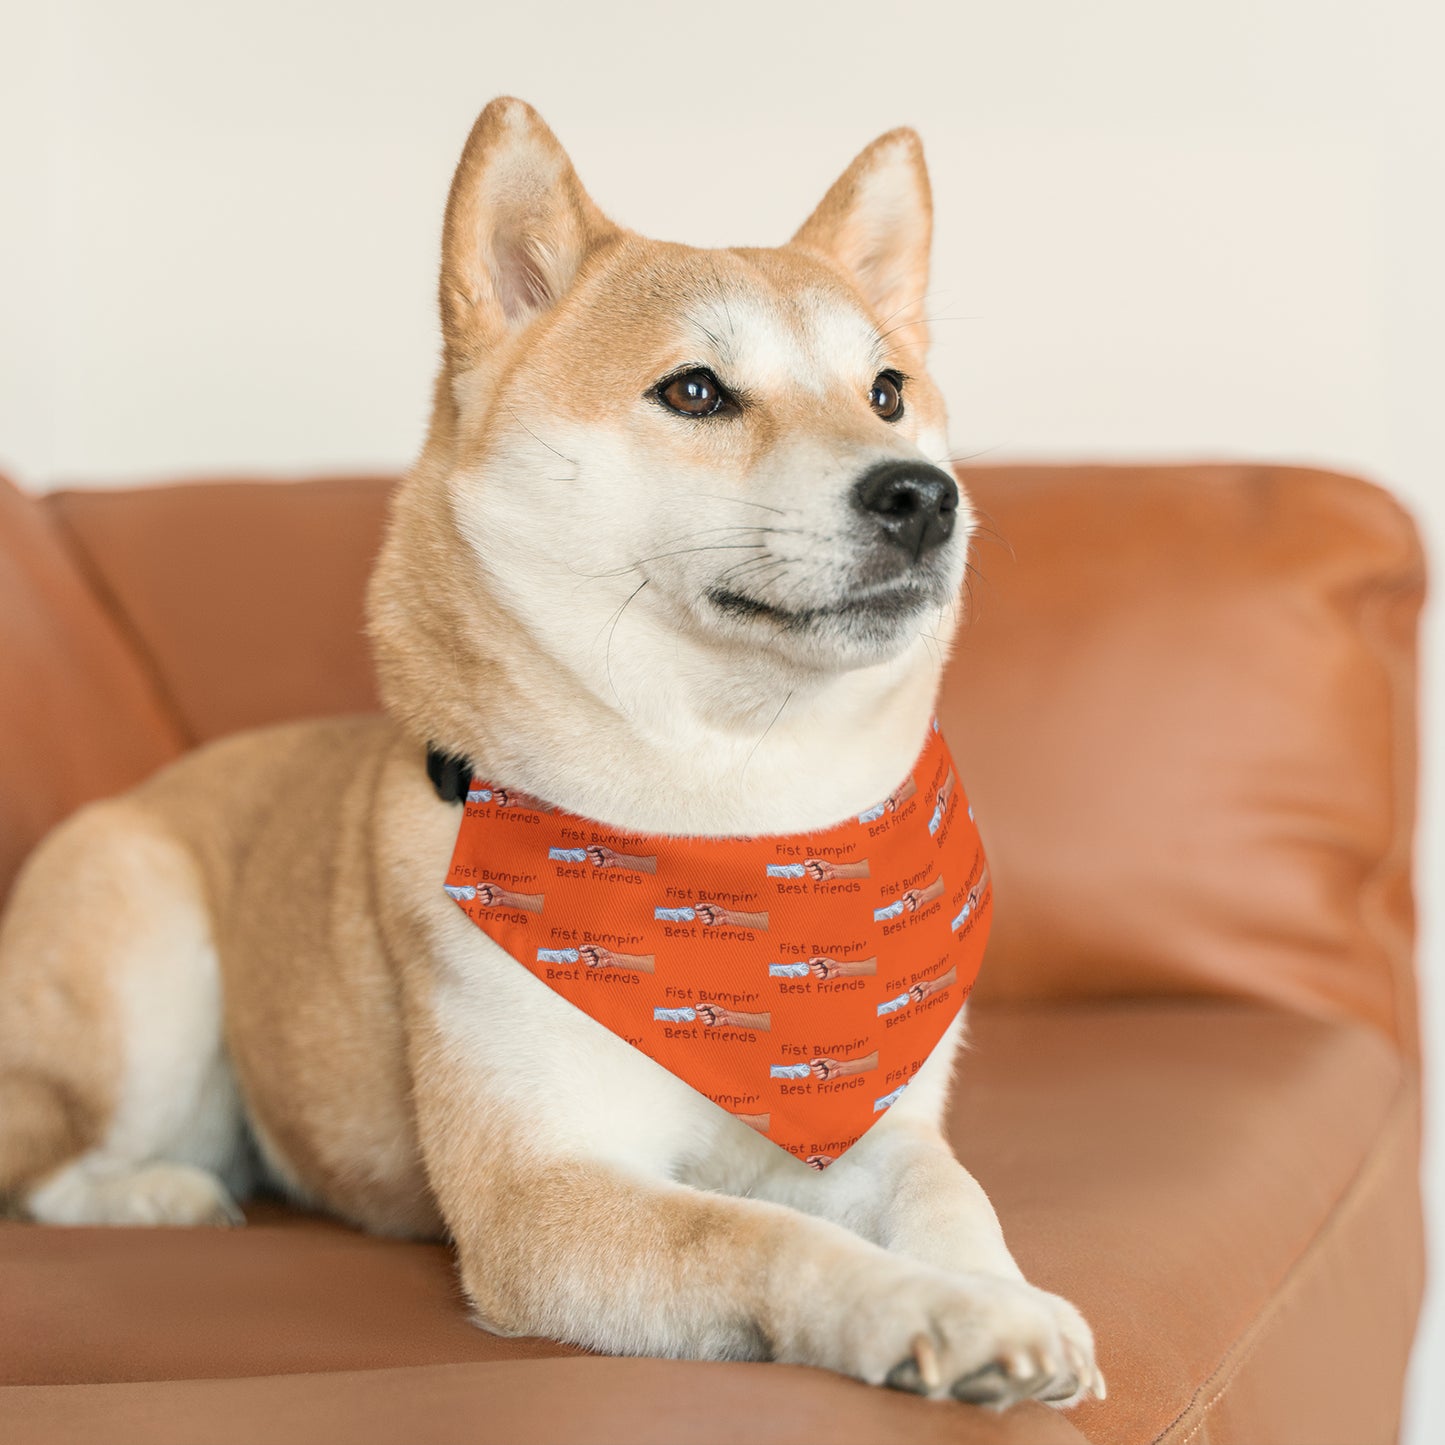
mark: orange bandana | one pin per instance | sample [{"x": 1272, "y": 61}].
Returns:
[{"x": 798, "y": 981}]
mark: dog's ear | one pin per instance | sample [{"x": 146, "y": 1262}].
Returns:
[
  {"x": 877, "y": 223},
  {"x": 518, "y": 227}
]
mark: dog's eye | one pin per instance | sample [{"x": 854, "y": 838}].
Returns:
[
  {"x": 886, "y": 397},
  {"x": 694, "y": 393}
]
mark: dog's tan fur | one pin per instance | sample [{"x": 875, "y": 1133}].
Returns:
[{"x": 261, "y": 932}]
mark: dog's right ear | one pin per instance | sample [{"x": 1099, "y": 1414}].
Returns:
[{"x": 518, "y": 227}]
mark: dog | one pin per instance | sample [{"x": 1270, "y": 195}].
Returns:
[{"x": 642, "y": 569}]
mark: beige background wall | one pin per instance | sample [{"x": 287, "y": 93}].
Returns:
[{"x": 1165, "y": 229}]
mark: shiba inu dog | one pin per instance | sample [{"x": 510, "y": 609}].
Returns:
[{"x": 677, "y": 554}]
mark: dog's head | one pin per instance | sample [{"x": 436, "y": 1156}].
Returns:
[{"x": 727, "y": 461}]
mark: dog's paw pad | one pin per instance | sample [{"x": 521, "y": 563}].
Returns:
[
  {"x": 988, "y": 1386},
  {"x": 905, "y": 1376}
]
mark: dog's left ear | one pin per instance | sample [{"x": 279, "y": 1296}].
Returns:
[{"x": 877, "y": 223}]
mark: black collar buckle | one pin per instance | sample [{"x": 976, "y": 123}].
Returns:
[{"x": 450, "y": 774}]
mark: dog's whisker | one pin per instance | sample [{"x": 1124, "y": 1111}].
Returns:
[
  {"x": 928, "y": 320},
  {"x": 882, "y": 351},
  {"x": 992, "y": 532},
  {"x": 765, "y": 732},
  {"x": 657, "y": 556},
  {"x": 924, "y": 321},
  {"x": 760, "y": 578},
  {"x": 748, "y": 502},
  {"x": 740, "y": 570},
  {"x": 571, "y": 461},
  {"x": 607, "y": 656},
  {"x": 782, "y": 564},
  {"x": 725, "y": 527},
  {"x": 960, "y": 458},
  {"x": 680, "y": 552},
  {"x": 737, "y": 568},
  {"x": 907, "y": 305},
  {"x": 706, "y": 547},
  {"x": 715, "y": 546},
  {"x": 611, "y": 616},
  {"x": 969, "y": 573},
  {"x": 805, "y": 580},
  {"x": 733, "y": 531}
]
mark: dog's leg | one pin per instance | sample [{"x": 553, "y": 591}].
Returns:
[
  {"x": 901, "y": 1187},
  {"x": 116, "y": 1104},
  {"x": 607, "y": 1257}
]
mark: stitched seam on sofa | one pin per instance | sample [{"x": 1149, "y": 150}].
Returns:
[
  {"x": 1401, "y": 676},
  {"x": 1240, "y": 1353},
  {"x": 125, "y": 624},
  {"x": 1366, "y": 604},
  {"x": 1402, "y": 580}
]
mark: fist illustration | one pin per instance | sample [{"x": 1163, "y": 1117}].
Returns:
[{"x": 515, "y": 798}]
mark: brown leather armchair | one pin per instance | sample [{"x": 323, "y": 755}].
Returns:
[{"x": 1185, "y": 707}]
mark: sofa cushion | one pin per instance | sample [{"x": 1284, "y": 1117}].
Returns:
[
  {"x": 248, "y": 596},
  {"x": 1185, "y": 710},
  {"x": 79, "y": 714},
  {"x": 1193, "y": 1175}
]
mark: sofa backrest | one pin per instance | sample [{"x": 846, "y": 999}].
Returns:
[
  {"x": 1183, "y": 705},
  {"x": 79, "y": 714},
  {"x": 246, "y": 596}
]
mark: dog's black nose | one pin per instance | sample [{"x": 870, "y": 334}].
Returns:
[{"x": 914, "y": 504}]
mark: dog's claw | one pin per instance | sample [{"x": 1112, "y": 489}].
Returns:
[{"x": 926, "y": 1355}]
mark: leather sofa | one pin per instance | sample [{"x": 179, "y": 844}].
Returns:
[{"x": 1185, "y": 708}]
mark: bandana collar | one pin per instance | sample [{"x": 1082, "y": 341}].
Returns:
[{"x": 798, "y": 981}]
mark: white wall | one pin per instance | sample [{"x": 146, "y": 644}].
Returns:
[{"x": 1164, "y": 229}]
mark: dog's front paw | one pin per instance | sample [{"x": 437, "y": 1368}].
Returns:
[{"x": 978, "y": 1338}]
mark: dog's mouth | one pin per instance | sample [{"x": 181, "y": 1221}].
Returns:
[{"x": 890, "y": 603}]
